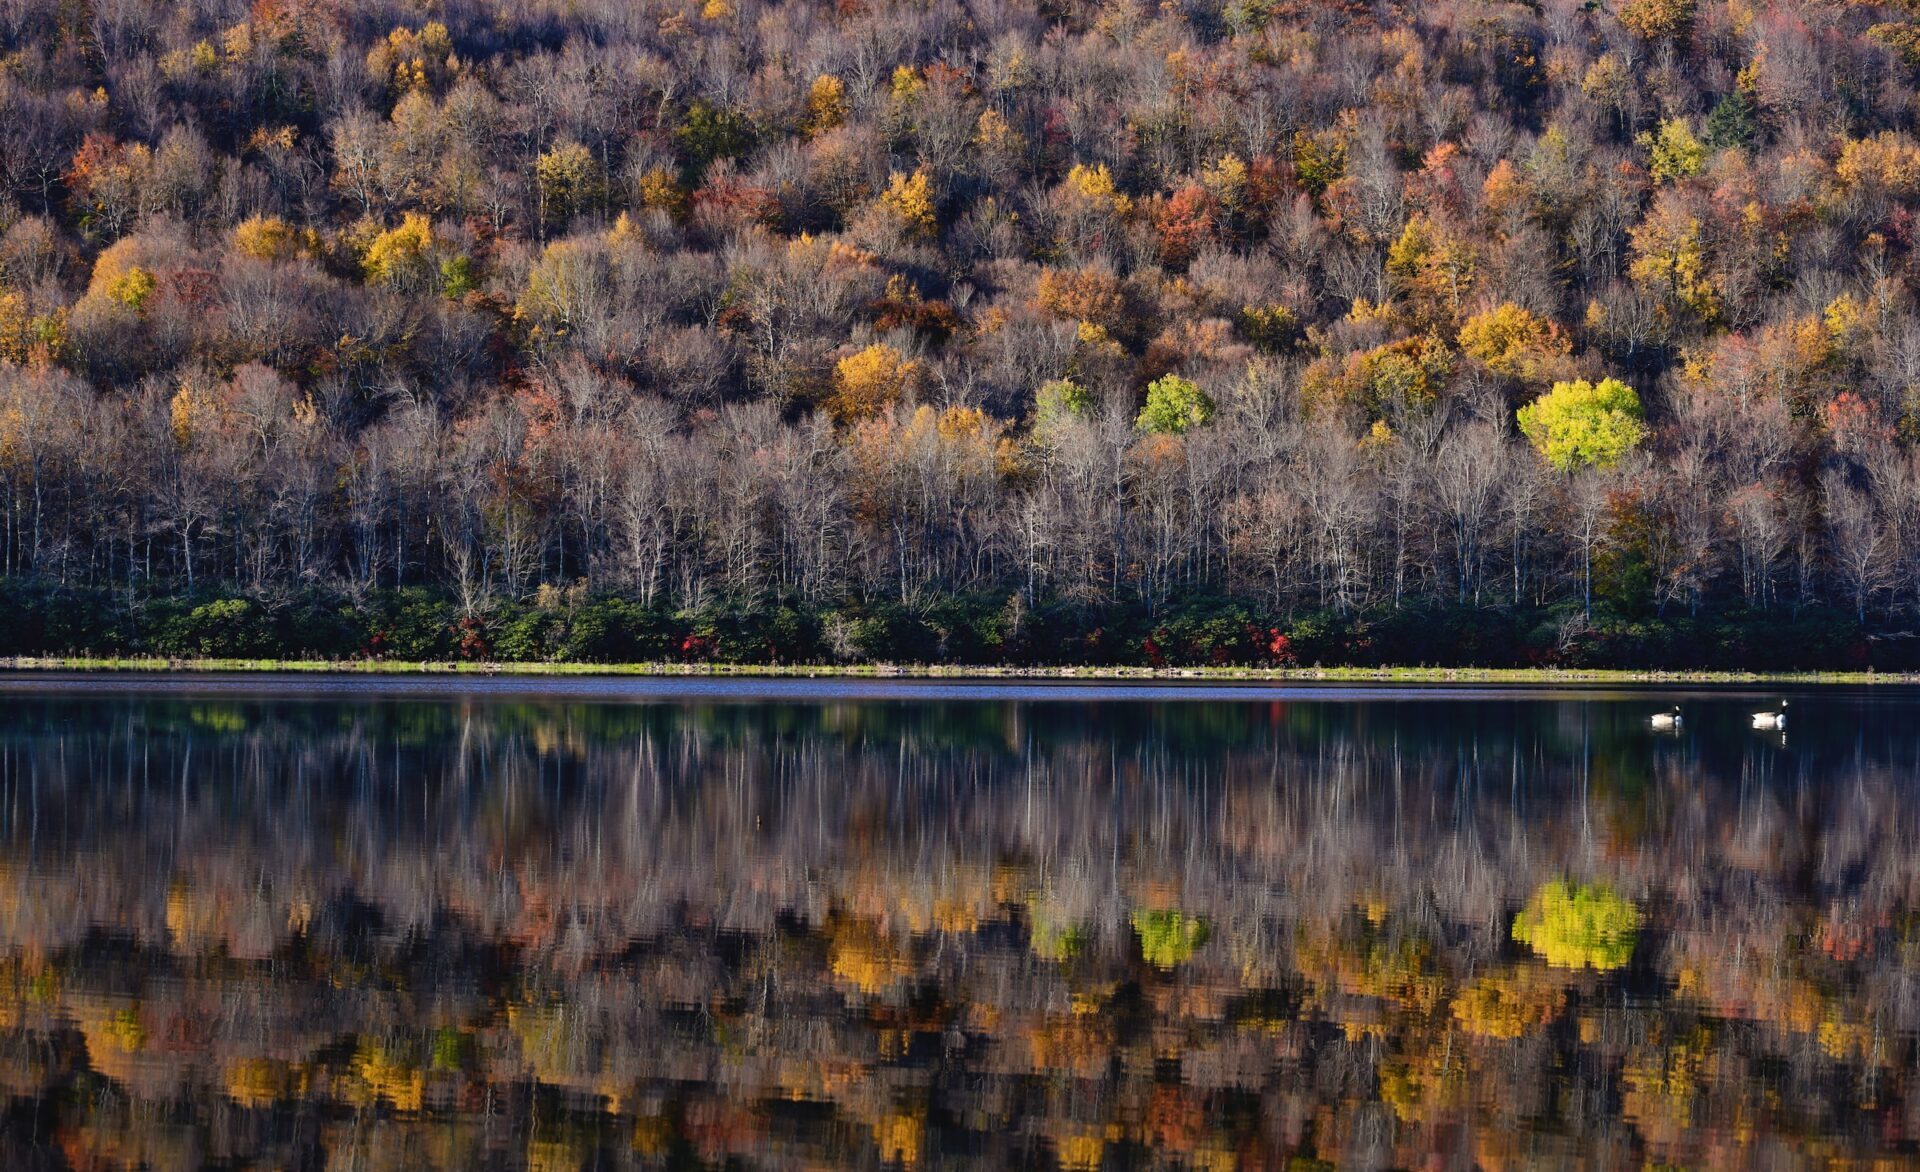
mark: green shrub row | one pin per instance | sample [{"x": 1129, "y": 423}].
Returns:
[{"x": 413, "y": 625}]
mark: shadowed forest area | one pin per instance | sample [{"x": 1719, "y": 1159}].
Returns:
[
  {"x": 1275, "y": 935},
  {"x": 1260, "y": 332}
]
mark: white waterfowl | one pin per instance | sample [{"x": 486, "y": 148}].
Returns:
[
  {"x": 1665, "y": 720},
  {"x": 1777, "y": 719}
]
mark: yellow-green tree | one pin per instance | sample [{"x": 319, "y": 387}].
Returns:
[
  {"x": 1054, "y": 404},
  {"x": 1385, "y": 381},
  {"x": 400, "y": 257},
  {"x": 1168, "y": 938},
  {"x": 1580, "y": 424},
  {"x": 562, "y": 286},
  {"x": 26, "y": 336},
  {"x": 1901, "y": 37},
  {"x": 132, "y": 288},
  {"x": 1579, "y": 926},
  {"x": 1174, "y": 406},
  {"x": 569, "y": 180},
  {"x": 1673, "y": 153}
]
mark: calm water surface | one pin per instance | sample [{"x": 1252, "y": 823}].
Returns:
[{"x": 340, "y": 924}]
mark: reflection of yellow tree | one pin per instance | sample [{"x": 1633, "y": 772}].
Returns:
[
  {"x": 1661, "y": 1082},
  {"x": 1081, "y": 1151},
  {"x": 1053, "y": 935},
  {"x": 1168, "y": 938},
  {"x": 1798, "y": 1005},
  {"x": 1509, "y": 1004},
  {"x": 261, "y": 1082},
  {"x": 556, "y": 1045},
  {"x": 955, "y": 901},
  {"x": 652, "y": 1134},
  {"x": 561, "y": 1153},
  {"x": 116, "y": 1038},
  {"x": 189, "y": 918},
  {"x": 1401, "y": 972},
  {"x": 387, "y": 1073},
  {"x": 1579, "y": 926},
  {"x": 899, "y": 1136},
  {"x": 1425, "y": 1079},
  {"x": 862, "y": 956},
  {"x": 1845, "y": 1040}
]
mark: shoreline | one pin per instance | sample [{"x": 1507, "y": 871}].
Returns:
[{"x": 534, "y": 670}]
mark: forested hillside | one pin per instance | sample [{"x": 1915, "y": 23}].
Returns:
[{"x": 1257, "y": 332}]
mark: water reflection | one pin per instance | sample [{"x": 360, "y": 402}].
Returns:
[{"x": 490, "y": 932}]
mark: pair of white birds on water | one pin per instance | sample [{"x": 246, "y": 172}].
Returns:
[{"x": 1772, "y": 718}]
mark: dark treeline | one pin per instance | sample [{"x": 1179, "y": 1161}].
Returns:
[{"x": 1577, "y": 332}]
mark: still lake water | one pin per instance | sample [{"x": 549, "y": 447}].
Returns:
[{"x": 570, "y": 924}]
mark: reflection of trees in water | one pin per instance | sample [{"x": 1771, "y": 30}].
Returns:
[{"x": 1005, "y": 930}]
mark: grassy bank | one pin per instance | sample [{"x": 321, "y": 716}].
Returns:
[{"x": 1393, "y": 675}]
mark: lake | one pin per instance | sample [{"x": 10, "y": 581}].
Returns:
[{"x": 560, "y": 924}]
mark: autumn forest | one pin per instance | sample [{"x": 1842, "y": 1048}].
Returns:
[{"x": 1256, "y": 332}]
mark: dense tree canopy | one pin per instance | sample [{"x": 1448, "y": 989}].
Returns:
[{"x": 750, "y": 305}]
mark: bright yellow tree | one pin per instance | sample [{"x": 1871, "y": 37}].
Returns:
[
  {"x": 1658, "y": 19},
  {"x": 827, "y": 105},
  {"x": 910, "y": 198},
  {"x": 265, "y": 238},
  {"x": 1513, "y": 342},
  {"x": 1094, "y": 185},
  {"x": 1670, "y": 261},
  {"x": 870, "y": 381},
  {"x": 399, "y": 257}
]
